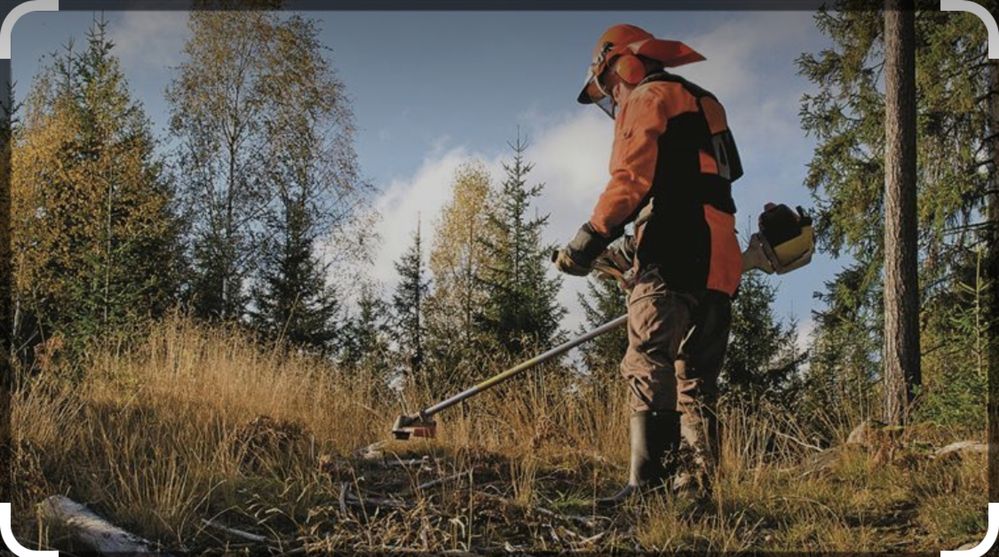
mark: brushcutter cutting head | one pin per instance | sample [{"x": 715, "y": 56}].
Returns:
[{"x": 414, "y": 426}]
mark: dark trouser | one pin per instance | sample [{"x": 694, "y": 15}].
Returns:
[{"x": 676, "y": 345}]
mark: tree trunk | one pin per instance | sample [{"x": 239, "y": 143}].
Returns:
[{"x": 901, "y": 285}]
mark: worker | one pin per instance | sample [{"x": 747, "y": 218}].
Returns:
[{"x": 673, "y": 162}]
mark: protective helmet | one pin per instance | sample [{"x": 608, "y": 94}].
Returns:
[{"x": 619, "y": 49}]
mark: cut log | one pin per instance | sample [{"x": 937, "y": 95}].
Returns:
[{"x": 91, "y": 530}]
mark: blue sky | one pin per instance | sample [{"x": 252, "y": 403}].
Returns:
[{"x": 431, "y": 90}]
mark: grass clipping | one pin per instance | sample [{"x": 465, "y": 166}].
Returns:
[{"x": 206, "y": 442}]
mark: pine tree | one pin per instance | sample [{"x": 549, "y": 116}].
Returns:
[
  {"x": 408, "y": 303},
  {"x": 95, "y": 236},
  {"x": 847, "y": 117},
  {"x": 901, "y": 289},
  {"x": 521, "y": 310}
]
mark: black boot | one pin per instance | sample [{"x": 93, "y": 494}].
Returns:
[{"x": 653, "y": 435}]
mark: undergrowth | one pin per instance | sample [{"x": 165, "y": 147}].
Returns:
[{"x": 201, "y": 429}]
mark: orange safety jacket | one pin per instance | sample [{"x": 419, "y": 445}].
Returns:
[{"x": 673, "y": 148}]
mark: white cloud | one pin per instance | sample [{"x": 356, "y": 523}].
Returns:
[
  {"x": 738, "y": 51},
  {"x": 149, "y": 39},
  {"x": 806, "y": 330},
  {"x": 571, "y": 159},
  {"x": 406, "y": 200}
]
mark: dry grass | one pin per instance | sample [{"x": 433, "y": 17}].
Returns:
[{"x": 202, "y": 424}]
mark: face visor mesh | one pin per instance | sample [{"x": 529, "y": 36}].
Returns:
[
  {"x": 594, "y": 92},
  {"x": 607, "y": 104}
]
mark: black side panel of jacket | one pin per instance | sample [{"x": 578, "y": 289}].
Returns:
[{"x": 677, "y": 237}]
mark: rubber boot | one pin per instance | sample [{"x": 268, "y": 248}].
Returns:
[
  {"x": 699, "y": 431},
  {"x": 653, "y": 435}
]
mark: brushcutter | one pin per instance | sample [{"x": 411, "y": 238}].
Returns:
[
  {"x": 422, "y": 424},
  {"x": 784, "y": 242}
]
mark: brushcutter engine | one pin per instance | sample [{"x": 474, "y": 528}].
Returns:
[{"x": 785, "y": 241}]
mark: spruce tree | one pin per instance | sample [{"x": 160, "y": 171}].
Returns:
[
  {"x": 521, "y": 310},
  {"x": 408, "y": 304},
  {"x": 293, "y": 300},
  {"x": 364, "y": 340},
  {"x": 844, "y": 368},
  {"x": 762, "y": 358},
  {"x": 604, "y": 300},
  {"x": 95, "y": 234}
]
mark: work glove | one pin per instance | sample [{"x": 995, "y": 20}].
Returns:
[
  {"x": 577, "y": 257},
  {"x": 566, "y": 264}
]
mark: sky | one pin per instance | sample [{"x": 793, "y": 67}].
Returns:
[{"x": 432, "y": 90}]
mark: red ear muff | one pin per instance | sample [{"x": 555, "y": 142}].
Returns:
[{"x": 630, "y": 69}]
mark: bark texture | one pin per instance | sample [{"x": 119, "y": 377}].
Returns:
[{"x": 901, "y": 285}]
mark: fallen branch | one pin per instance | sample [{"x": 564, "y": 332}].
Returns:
[
  {"x": 438, "y": 481},
  {"x": 589, "y": 523},
  {"x": 408, "y": 462},
  {"x": 798, "y": 441},
  {"x": 342, "y": 499},
  {"x": 375, "y": 501},
  {"x": 962, "y": 447},
  {"x": 348, "y": 498},
  {"x": 371, "y": 452},
  {"x": 91, "y": 530},
  {"x": 256, "y": 538}
]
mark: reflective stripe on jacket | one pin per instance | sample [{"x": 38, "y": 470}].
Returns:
[{"x": 673, "y": 148}]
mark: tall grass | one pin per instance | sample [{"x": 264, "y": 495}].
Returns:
[{"x": 203, "y": 422}]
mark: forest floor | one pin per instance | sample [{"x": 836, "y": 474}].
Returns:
[
  {"x": 425, "y": 497},
  {"x": 199, "y": 439}
]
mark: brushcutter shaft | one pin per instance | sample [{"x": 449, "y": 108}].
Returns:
[{"x": 523, "y": 366}]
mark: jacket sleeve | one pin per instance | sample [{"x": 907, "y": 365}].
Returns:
[{"x": 641, "y": 121}]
